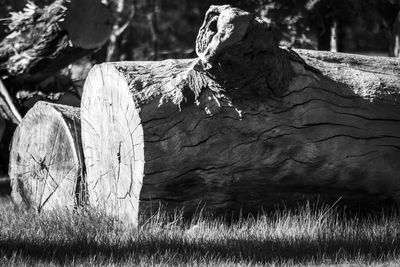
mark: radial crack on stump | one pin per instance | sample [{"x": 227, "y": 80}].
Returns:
[
  {"x": 46, "y": 162},
  {"x": 113, "y": 144}
]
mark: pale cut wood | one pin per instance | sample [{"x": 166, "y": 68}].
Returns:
[
  {"x": 246, "y": 126},
  {"x": 46, "y": 162},
  {"x": 113, "y": 144}
]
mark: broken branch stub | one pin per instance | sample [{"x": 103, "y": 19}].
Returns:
[{"x": 238, "y": 50}]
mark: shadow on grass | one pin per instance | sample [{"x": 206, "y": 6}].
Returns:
[
  {"x": 349, "y": 236},
  {"x": 231, "y": 250}
]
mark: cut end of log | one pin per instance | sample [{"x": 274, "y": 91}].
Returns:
[
  {"x": 46, "y": 158},
  {"x": 89, "y": 23},
  {"x": 113, "y": 143}
]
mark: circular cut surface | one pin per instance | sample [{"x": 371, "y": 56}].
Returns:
[
  {"x": 112, "y": 137},
  {"x": 44, "y": 166},
  {"x": 89, "y": 23}
]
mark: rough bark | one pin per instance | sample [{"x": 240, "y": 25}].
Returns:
[
  {"x": 46, "y": 161},
  {"x": 246, "y": 126},
  {"x": 372, "y": 78}
]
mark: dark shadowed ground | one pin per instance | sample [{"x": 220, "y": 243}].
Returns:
[{"x": 289, "y": 237}]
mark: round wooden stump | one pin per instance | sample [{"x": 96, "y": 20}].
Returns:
[
  {"x": 112, "y": 137},
  {"x": 46, "y": 166}
]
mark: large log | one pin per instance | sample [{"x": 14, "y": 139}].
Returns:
[
  {"x": 246, "y": 126},
  {"x": 46, "y": 161}
]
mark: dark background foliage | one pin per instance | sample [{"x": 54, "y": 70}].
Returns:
[
  {"x": 158, "y": 29},
  {"x": 369, "y": 26}
]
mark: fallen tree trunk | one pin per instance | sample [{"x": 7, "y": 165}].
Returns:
[
  {"x": 46, "y": 161},
  {"x": 247, "y": 126}
]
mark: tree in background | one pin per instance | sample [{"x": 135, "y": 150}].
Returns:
[
  {"x": 383, "y": 16},
  {"x": 334, "y": 25},
  {"x": 155, "y": 29},
  {"x": 290, "y": 21}
]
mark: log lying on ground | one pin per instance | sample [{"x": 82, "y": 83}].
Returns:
[
  {"x": 247, "y": 126},
  {"x": 46, "y": 161}
]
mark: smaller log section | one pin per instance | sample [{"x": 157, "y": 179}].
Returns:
[
  {"x": 46, "y": 162},
  {"x": 246, "y": 126}
]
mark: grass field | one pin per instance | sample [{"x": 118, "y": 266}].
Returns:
[{"x": 291, "y": 237}]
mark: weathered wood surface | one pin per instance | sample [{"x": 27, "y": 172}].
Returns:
[
  {"x": 46, "y": 161},
  {"x": 247, "y": 126},
  {"x": 369, "y": 77}
]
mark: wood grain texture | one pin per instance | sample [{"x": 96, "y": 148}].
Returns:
[
  {"x": 246, "y": 126},
  {"x": 112, "y": 138},
  {"x": 46, "y": 161}
]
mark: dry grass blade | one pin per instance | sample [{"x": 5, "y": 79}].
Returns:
[{"x": 290, "y": 237}]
